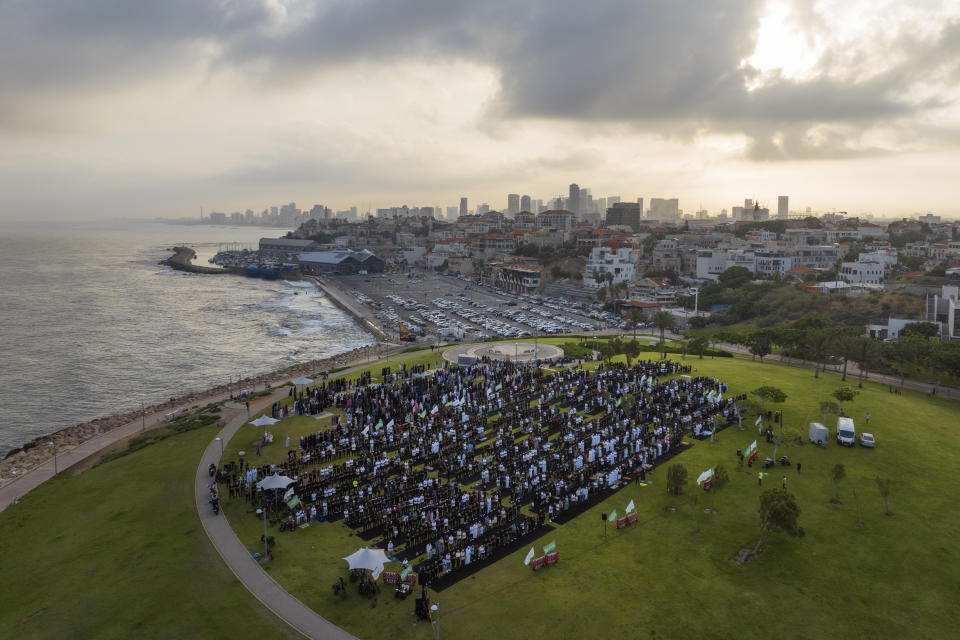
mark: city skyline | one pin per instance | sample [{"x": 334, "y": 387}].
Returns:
[{"x": 120, "y": 111}]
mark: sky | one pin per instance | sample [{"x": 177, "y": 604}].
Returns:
[{"x": 112, "y": 108}]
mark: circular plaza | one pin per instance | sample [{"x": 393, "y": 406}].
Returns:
[{"x": 522, "y": 352}]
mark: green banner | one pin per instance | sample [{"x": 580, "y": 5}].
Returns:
[
  {"x": 547, "y": 548},
  {"x": 613, "y": 515}
]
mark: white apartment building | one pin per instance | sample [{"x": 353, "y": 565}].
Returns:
[
  {"x": 944, "y": 309},
  {"x": 861, "y": 272},
  {"x": 710, "y": 264},
  {"x": 621, "y": 263},
  {"x": 886, "y": 257},
  {"x": 768, "y": 263}
]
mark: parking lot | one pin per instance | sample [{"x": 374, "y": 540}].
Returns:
[{"x": 451, "y": 308}]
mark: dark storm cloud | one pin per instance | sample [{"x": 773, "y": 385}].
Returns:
[{"x": 671, "y": 66}]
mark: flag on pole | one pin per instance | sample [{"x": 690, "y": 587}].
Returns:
[
  {"x": 435, "y": 409},
  {"x": 613, "y": 516},
  {"x": 406, "y": 572},
  {"x": 751, "y": 452},
  {"x": 706, "y": 478},
  {"x": 529, "y": 556},
  {"x": 423, "y": 414},
  {"x": 547, "y": 548},
  {"x": 759, "y": 418},
  {"x": 378, "y": 425},
  {"x": 619, "y": 400},
  {"x": 390, "y": 424},
  {"x": 366, "y": 430},
  {"x": 631, "y": 507},
  {"x": 498, "y": 387}
]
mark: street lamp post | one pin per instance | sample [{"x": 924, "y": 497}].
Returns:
[
  {"x": 56, "y": 470},
  {"x": 221, "y": 450},
  {"x": 436, "y": 610}
]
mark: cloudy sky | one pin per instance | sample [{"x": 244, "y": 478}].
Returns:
[{"x": 117, "y": 108}]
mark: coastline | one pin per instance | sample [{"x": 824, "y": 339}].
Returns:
[{"x": 22, "y": 460}]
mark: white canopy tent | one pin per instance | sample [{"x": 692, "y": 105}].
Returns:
[
  {"x": 264, "y": 421},
  {"x": 303, "y": 380},
  {"x": 275, "y": 481},
  {"x": 366, "y": 558}
]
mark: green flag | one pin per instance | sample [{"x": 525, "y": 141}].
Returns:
[
  {"x": 498, "y": 387},
  {"x": 613, "y": 516},
  {"x": 547, "y": 548},
  {"x": 619, "y": 400},
  {"x": 406, "y": 572},
  {"x": 378, "y": 425},
  {"x": 423, "y": 414}
]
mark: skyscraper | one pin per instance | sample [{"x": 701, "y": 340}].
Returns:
[
  {"x": 783, "y": 206},
  {"x": 664, "y": 209},
  {"x": 573, "y": 203},
  {"x": 463, "y": 206},
  {"x": 513, "y": 203},
  {"x": 525, "y": 203}
]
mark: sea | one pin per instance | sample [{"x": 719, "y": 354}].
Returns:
[{"x": 93, "y": 325}]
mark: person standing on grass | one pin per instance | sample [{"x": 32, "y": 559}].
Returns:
[
  {"x": 784, "y": 482},
  {"x": 759, "y": 478}
]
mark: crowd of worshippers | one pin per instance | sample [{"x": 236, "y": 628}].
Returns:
[{"x": 491, "y": 431}]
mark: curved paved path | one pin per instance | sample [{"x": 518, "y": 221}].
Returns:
[{"x": 235, "y": 554}]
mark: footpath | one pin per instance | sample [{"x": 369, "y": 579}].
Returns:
[{"x": 236, "y": 556}]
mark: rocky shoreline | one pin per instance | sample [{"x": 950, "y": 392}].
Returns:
[{"x": 34, "y": 453}]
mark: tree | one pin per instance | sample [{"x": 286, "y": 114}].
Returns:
[
  {"x": 636, "y": 317},
  {"x": 817, "y": 342},
  {"x": 778, "y": 512},
  {"x": 865, "y": 352},
  {"x": 735, "y": 277},
  {"x": 828, "y": 408},
  {"x": 698, "y": 345},
  {"x": 720, "y": 480},
  {"x": 602, "y": 295},
  {"x": 837, "y": 473},
  {"x": 883, "y": 484},
  {"x": 844, "y": 394},
  {"x": 925, "y": 329},
  {"x": 663, "y": 320},
  {"x": 631, "y": 349},
  {"x": 759, "y": 347},
  {"x": 766, "y": 392},
  {"x": 905, "y": 353},
  {"x": 676, "y": 478}
]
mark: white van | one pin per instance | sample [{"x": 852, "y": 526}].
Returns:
[{"x": 846, "y": 434}]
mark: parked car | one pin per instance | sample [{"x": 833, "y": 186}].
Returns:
[{"x": 866, "y": 440}]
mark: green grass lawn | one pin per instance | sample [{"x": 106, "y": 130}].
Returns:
[
  {"x": 118, "y": 552},
  {"x": 895, "y": 576}
]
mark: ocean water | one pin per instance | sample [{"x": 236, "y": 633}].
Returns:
[{"x": 93, "y": 325}]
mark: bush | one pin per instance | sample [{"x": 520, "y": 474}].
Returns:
[{"x": 574, "y": 350}]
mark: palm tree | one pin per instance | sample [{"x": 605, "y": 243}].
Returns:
[
  {"x": 663, "y": 320},
  {"x": 636, "y": 317}
]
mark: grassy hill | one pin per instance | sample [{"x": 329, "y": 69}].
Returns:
[{"x": 118, "y": 551}]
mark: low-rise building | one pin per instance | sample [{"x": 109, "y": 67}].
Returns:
[
  {"x": 861, "y": 272},
  {"x": 620, "y": 263}
]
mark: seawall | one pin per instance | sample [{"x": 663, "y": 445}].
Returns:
[
  {"x": 182, "y": 260},
  {"x": 359, "y": 314}
]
